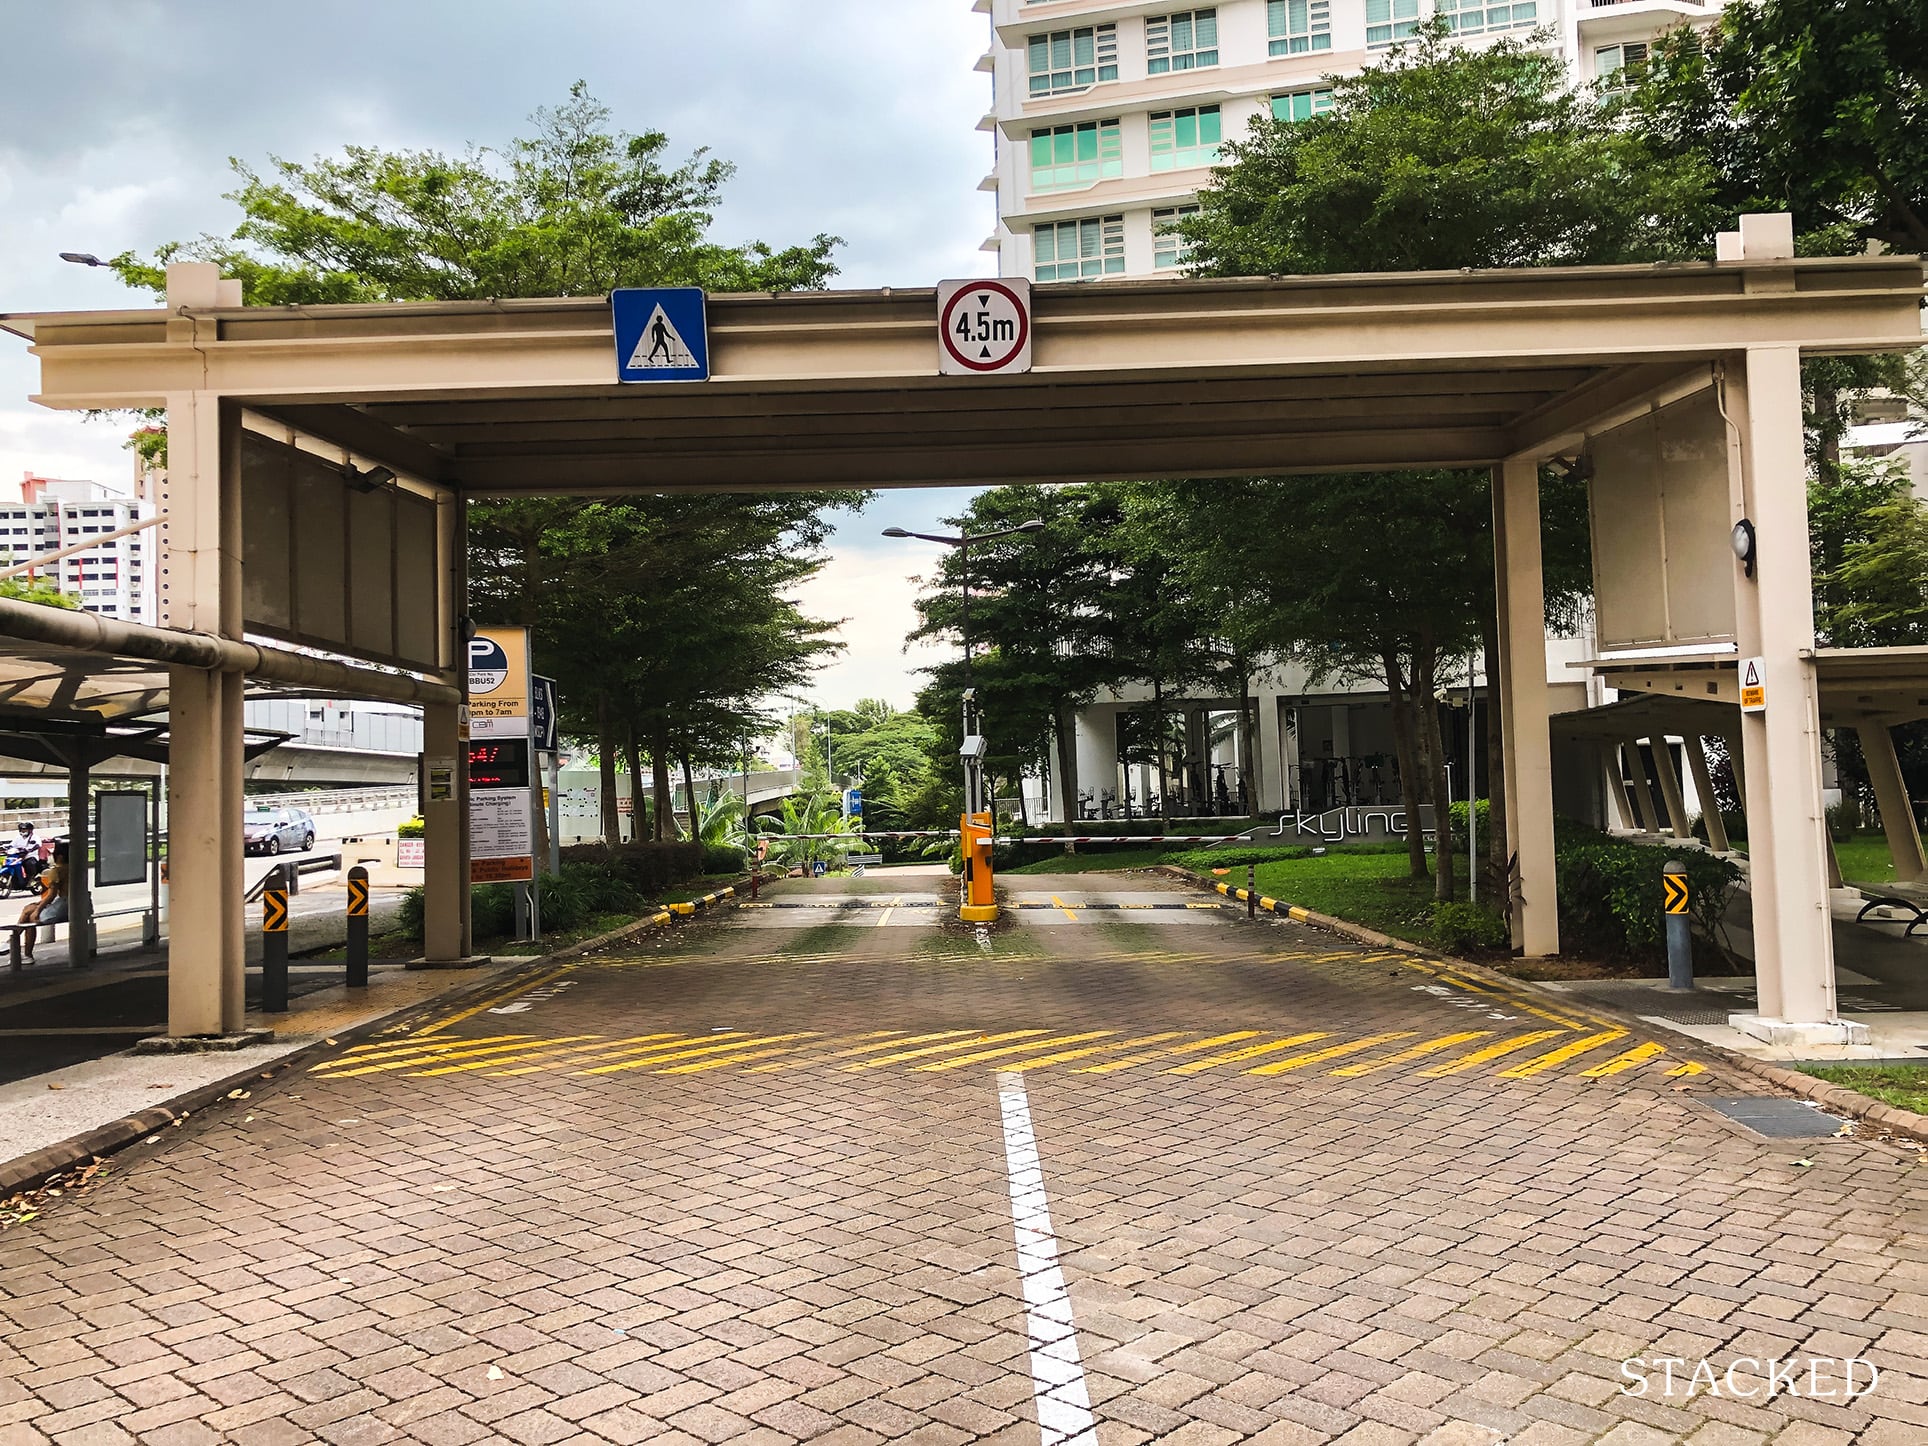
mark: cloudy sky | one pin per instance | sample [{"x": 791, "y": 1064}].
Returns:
[{"x": 856, "y": 117}]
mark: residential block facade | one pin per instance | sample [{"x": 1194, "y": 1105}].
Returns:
[
  {"x": 42, "y": 515},
  {"x": 1108, "y": 117}
]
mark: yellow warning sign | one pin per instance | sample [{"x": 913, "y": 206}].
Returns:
[
  {"x": 1753, "y": 685},
  {"x": 274, "y": 911},
  {"x": 357, "y": 897},
  {"x": 1675, "y": 887}
]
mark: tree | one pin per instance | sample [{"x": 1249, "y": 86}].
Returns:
[
  {"x": 1441, "y": 158},
  {"x": 1809, "y": 108},
  {"x": 1437, "y": 158},
  {"x": 664, "y": 619}
]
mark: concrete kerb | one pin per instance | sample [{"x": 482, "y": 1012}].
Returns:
[
  {"x": 1835, "y": 1097},
  {"x": 29, "y": 1172}
]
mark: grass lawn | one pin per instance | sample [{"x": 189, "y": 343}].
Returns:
[
  {"x": 1904, "y": 1086},
  {"x": 1865, "y": 857}
]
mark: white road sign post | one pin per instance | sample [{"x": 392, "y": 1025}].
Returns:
[{"x": 984, "y": 327}]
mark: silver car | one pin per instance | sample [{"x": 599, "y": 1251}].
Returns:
[{"x": 269, "y": 830}]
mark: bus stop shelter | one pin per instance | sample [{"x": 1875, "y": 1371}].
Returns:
[{"x": 321, "y": 459}]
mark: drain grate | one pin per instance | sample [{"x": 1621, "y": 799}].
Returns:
[{"x": 1775, "y": 1118}]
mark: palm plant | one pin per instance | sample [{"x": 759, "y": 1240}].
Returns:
[
  {"x": 719, "y": 821},
  {"x": 805, "y": 814}
]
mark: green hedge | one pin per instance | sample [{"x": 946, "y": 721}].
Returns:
[
  {"x": 1610, "y": 893},
  {"x": 582, "y": 893},
  {"x": 649, "y": 866}
]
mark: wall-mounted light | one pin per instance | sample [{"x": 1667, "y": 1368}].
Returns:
[
  {"x": 367, "y": 480},
  {"x": 1743, "y": 540}
]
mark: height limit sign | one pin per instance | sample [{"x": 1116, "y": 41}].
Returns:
[{"x": 984, "y": 327}]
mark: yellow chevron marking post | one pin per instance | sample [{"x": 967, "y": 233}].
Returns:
[
  {"x": 1060, "y": 904},
  {"x": 1319, "y": 1056},
  {"x": 1116, "y": 1064},
  {"x": 1065, "y": 1055},
  {"x": 1680, "y": 1071},
  {"x": 1251, "y": 1051},
  {"x": 1491, "y": 1052},
  {"x": 943, "y": 1048},
  {"x": 1639, "y": 1054},
  {"x": 551, "y": 1052},
  {"x": 493, "y": 1000},
  {"x": 979, "y": 1056},
  {"x": 658, "y": 1056},
  {"x": 1561, "y": 1055},
  {"x": 351, "y": 1067},
  {"x": 1406, "y": 1056}
]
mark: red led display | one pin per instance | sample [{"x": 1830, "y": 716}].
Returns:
[{"x": 499, "y": 763}]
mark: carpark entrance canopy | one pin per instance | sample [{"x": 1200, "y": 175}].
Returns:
[{"x": 285, "y": 421}]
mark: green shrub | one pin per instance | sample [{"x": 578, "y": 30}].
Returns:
[
  {"x": 580, "y": 894},
  {"x": 648, "y": 867},
  {"x": 1610, "y": 893},
  {"x": 1466, "y": 926},
  {"x": 411, "y": 828},
  {"x": 722, "y": 859}
]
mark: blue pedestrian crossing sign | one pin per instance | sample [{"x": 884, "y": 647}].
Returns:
[{"x": 662, "y": 334}]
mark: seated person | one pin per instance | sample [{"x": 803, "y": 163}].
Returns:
[{"x": 51, "y": 906}]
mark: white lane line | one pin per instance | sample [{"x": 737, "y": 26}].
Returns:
[{"x": 1057, "y": 1374}]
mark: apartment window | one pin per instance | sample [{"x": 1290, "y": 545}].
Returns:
[
  {"x": 1076, "y": 155},
  {"x": 1298, "y": 105},
  {"x": 1477, "y": 17},
  {"x": 1298, "y": 27},
  {"x": 1064, "y": 60},
  {"x": 1617, "y": 67},
  {"x": 1184, "y": 40},
  {"x": 1184, "y": 138},
  {"x": 1390, "y": 20},
  {"x": 1079, "y": 250},
  {"x": 1168, "y": 248}
]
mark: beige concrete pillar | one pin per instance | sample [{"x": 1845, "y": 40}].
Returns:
[
  {"x": 1527, "y": 742},
  {"x": 1643, "y": 787},
  {"x": 1670, "y": 786},
  {"x": 1786, "y": 824},
  {"x": 1272, "y": 794},
  {"x": 80, "y": 900},
  {"x": 1614, "y": 786},
  {"x": 1696, "y": 752},
  {"x": 1891, "y": 797},
  {"x": 448, "y": 936},
  {"x": 200, "y": 589}
]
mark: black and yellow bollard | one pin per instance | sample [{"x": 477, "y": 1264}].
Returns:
[
  {"x": 274, "y": 943},
  {"x": 358, "y": 928}
]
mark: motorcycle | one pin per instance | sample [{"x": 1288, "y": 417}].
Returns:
[{"x": 20, "y": 870}]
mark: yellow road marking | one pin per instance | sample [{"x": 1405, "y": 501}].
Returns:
[
  {"x": 883, "y": 917},
  {"x": 435, "y": 1057},
  {"x": 1070, "y": 1054},
  {"x": 657, "y": 1056},
  {"x": 941, "y": 1048},
  {"x": 1639, "y": 1054},
  {"x": 1491, "y": 1052},
  {"x": 493, "y": 1000},
  {"x": 1318, "y": 1056},
  {"x": 411, "y": 1046},
  {"x": 785, "y": 1049},
  {"x": 1113, "y": 1064},
  {"x": 1251, "y": 1051},
  {"x": 1406, "y": 1056},
  {"x": 1561, "y": 1055},
  {"x": 1062, "y": 905},
  {"x": 900, "y": 1039},
  {"x": 983, "y": 1054},
  {"x": 1511, "y": 1001},
  {"x": 547, "y": 1048},
  {"x": 1680, "y": 1070}
]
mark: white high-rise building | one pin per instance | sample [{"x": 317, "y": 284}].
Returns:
[
  {"x": 42, "y": 515},
  {"x": 1108, "y": 116}
]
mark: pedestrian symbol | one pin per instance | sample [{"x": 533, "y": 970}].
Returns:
[{"x": 661, "y": 334}]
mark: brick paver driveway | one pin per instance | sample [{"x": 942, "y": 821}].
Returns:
[{"x": 838, "y": 1174}]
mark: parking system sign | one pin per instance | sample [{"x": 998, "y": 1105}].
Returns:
[{"x": 984, "y": 327}]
